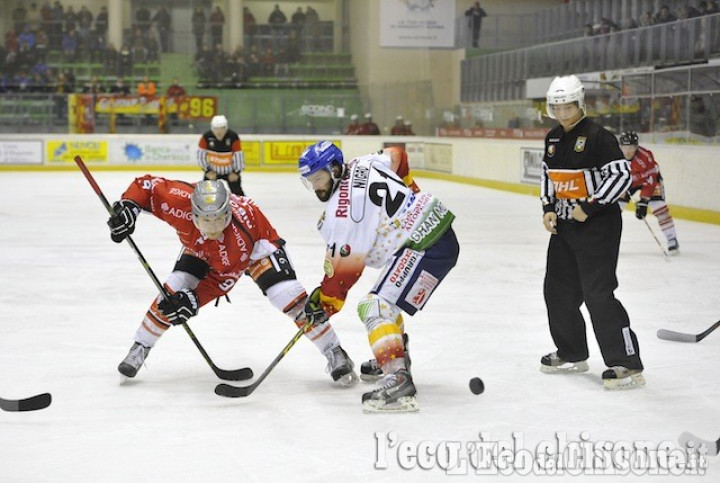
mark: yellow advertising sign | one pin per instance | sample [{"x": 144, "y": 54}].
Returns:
[
  {"x": 251, "y": 149},
  {"x": 65, "y": 151},
  {"x": 284, "y": 153}
]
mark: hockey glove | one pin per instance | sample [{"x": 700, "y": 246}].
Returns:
[
  {"x": 122, "y": 223},
  {"x": 641, "y": 208},
  {"x": 314, "y": 310},
  {"x": 180, "y": 306}
]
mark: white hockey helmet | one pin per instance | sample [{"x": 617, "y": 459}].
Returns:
[
  {"x": 218, "y": 122},
  {"x": 211, "y": 211},
  {"x": 564, "y": 90}
]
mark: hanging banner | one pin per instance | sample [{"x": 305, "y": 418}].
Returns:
[{"x": 417, "y": 23}]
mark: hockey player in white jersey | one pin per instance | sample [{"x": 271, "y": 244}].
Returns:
[{"x": 375, "y": 218}]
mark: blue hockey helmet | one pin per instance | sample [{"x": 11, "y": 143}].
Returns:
[{"x": 319, "y": 156}]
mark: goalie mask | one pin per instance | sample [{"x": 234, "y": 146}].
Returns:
[
  {"x": 565, "y": 90},
  {"x": 211, "y": 211},
  {"x": 321, "y": 167}
]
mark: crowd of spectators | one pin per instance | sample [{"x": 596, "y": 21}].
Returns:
[
  {"x": 664, "y": 15},
  {"x": 269, "y": 56}
]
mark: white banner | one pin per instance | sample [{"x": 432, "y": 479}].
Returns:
[
  {"x": 21, "y": 152},
  {"x": 417, "y": 23},
  {"x": 531, "y": 165},
  {"x": 168, "y": 151}
]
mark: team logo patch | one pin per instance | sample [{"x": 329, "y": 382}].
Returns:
[
  {"x": 551, "y": 151},
  {"x": 345, "y": 250},
  {"x": 580, "y": 144},
  {"x": 421, "y": 290}
]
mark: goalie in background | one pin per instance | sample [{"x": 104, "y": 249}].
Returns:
[
  {"x": 646, "y": 179},
  {"x": 220, "y": 154}
]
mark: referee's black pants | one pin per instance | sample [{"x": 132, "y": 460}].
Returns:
[{"x": 581, "y": 264}]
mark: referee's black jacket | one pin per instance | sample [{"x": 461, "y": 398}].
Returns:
[{"x": 583, "y": 166}]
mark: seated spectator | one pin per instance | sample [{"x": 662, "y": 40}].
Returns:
[
  {"x": 399, "y": 128},
  {"x": 94, "y": 86},
  {"x": 146, "y": 88},
  {"x": 588, "y": 30},
  {"x": 101, "y": 22},
  {"x": 647, "y": 19},
  {"x": 408, "y": 128},
  {"x": 175, "y": 90},
  {"x": 120, "y": 88},
  {"x": 664, "y": 15},
  {"x": 70, "y": 18},
  {"x": 354, "y": 125}
]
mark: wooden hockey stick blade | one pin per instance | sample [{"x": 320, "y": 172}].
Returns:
[
  {"x": 683, "y": 337},
  {"x": 689, "y": 439},
  {"x": 34, "y": 403}
]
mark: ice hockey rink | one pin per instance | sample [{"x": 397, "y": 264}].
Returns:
[{"x": 70, "y": 301}]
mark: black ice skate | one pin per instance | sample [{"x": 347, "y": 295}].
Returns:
[
  {"x": 371, "y": 372},
  {"x": 552, "y": 364},
  {"x": 673, "y": 247},
  {"x": 395, "y": 393},
  {"x": 135, "y": 358},
  {"x": 340, "y": 367},
  {"x": 621, "y": 378}
]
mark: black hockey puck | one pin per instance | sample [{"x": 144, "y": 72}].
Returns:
[{"x": 477, "y": 386}]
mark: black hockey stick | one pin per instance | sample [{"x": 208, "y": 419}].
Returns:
[
  {"x": 234, "y": 375},
  {"x": 41, "y": 401},
  {"x": 683, "y": 337},
  {"x": 227, "y": 390},
  {"x": 713, "y": 447}
]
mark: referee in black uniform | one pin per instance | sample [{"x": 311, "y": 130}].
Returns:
[{"x": 584, "y": 173}]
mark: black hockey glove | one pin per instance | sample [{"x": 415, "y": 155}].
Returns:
[
  {"x": 180, "y": 306},
  {"x": 641, "y": 208},
  {"x": 122, "y": 223},
  {"x": 314, "y": 310}
]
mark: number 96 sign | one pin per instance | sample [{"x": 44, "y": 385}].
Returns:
[{"x": 197, "y": 107}]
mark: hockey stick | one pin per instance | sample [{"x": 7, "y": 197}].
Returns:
[
  {"x": 713, "y": 447},
  {"x": 656, "y": 240},
  {"x": 233, "y": 375},
  {"x": 41, "y": 401},
  {"x": 683, "y": 337},
  {"x": 227, "y": 390}
]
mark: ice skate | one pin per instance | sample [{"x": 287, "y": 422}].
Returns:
[
  {"x": 371, "y": 372},
  {"x": 673, "y": 247},
  {"x": 340, "y": 367},
  {"x": 552, "y": 364},
  {"x": 620, "y": 378},
  {"x": 395, "y": 393},
  {"x": 135, "y": 358}
]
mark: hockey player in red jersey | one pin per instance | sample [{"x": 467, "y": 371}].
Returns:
[
  {"x": 646, "y": 179},
  {"x": 223, "y": 236}
]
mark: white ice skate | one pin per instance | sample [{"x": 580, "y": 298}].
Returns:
[
  {"x": 619, "y": 378},
  {"x": 135, "y": 358},
  {"x": 552, "y": 364}
]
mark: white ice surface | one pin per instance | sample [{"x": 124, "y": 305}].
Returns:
[{"x": 70, "y": 301}]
